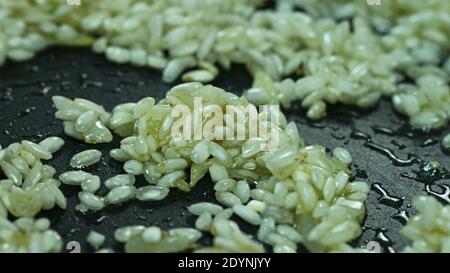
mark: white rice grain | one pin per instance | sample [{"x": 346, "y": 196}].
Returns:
[
  {"x": 152, "y": 193},
  {"x": 85, "y": 158},
  {"x": 202, "y": 207},
  {"x": 247, "y": 214},
  {"x": 52, "y": 144}
]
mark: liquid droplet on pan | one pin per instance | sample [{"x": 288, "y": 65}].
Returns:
[
  {"x": 429, "y": 142},
  {"x": 444, "y": 196},
  {"x": 383, "y": 130},
  {"x": 384, "y": 240},
  {"x": 26, "y": 112},
  {"x": 391, "y": 155},
  {"x": 359, "y": 135},
  {"x": 431, "y": 171},
  {"x": 401, "y": 216},
  {"x": 387, "y": 199}
]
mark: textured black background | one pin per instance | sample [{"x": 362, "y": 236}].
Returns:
[{"x": 27, "y": 113}]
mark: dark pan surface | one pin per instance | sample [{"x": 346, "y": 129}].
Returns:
[{"x": 27, "y": 113}]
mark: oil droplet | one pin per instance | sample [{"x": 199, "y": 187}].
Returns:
[
  {"x": 383, "y": 130},
  {"x": 73, "y": 230},
  {"x": 359, "y": 135},
  {"x": 444, "y": 196},
  {"x": 389, "y": 153},
  {"x": 26, "y": 112},
  {"x": 431, "y": 171},
  {"x": 43, "y": 92},
  {"x": 429, "y": 142},
  {"x": 384, "y": 240},
  {"x": 90, "y": 83},
  {"x": 402, "y": 131},
  {"x": 401, "y": 216},
  {"x": 387, "y": 199},
  {"x": 315, "y": 124},
  {"x": 390, "y": 249}
]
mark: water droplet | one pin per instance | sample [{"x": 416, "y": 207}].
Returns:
[
  {"x": 429, "y": 142},
  {"x": 315, "y": 124},
  {"x": 401, "y": 216},
  {"x": 90, "y": 83},
  {"x": 359, "y": 135},
  {"x": 391, "y": 155},
  {"x": 431, "y": 171},
  {"x": 383, "y": 130},
  {"x": 73, "y": 230},
  {"x": 444, "y": 196},
  {"x": 387, "y": 199},
  {"x": 26, "y": 112},
  {"x": 390, "y": 249},
  {"x": 384, "y": 240}
]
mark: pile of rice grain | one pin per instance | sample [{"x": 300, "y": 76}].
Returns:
[
  {"x": 295, "y": 194},
  {"x": 429, "y": 229},
  {"x": 338, "y": 61}
]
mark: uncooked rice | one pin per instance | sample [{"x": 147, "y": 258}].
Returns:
[
  {"x": 95, "y": 239},
  {"x": 296, "y": 194},
  {"x": 85, "y": 158}
]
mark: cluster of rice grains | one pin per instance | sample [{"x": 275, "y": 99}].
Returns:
[
  {"x": 338, "y": 61},
  {"x": 29, "y": 187},
  {"x": 293, "y": 187},
  {"x": 295, "y": 194}
]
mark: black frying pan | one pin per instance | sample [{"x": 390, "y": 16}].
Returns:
[{"x": 27, "y": 113}]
